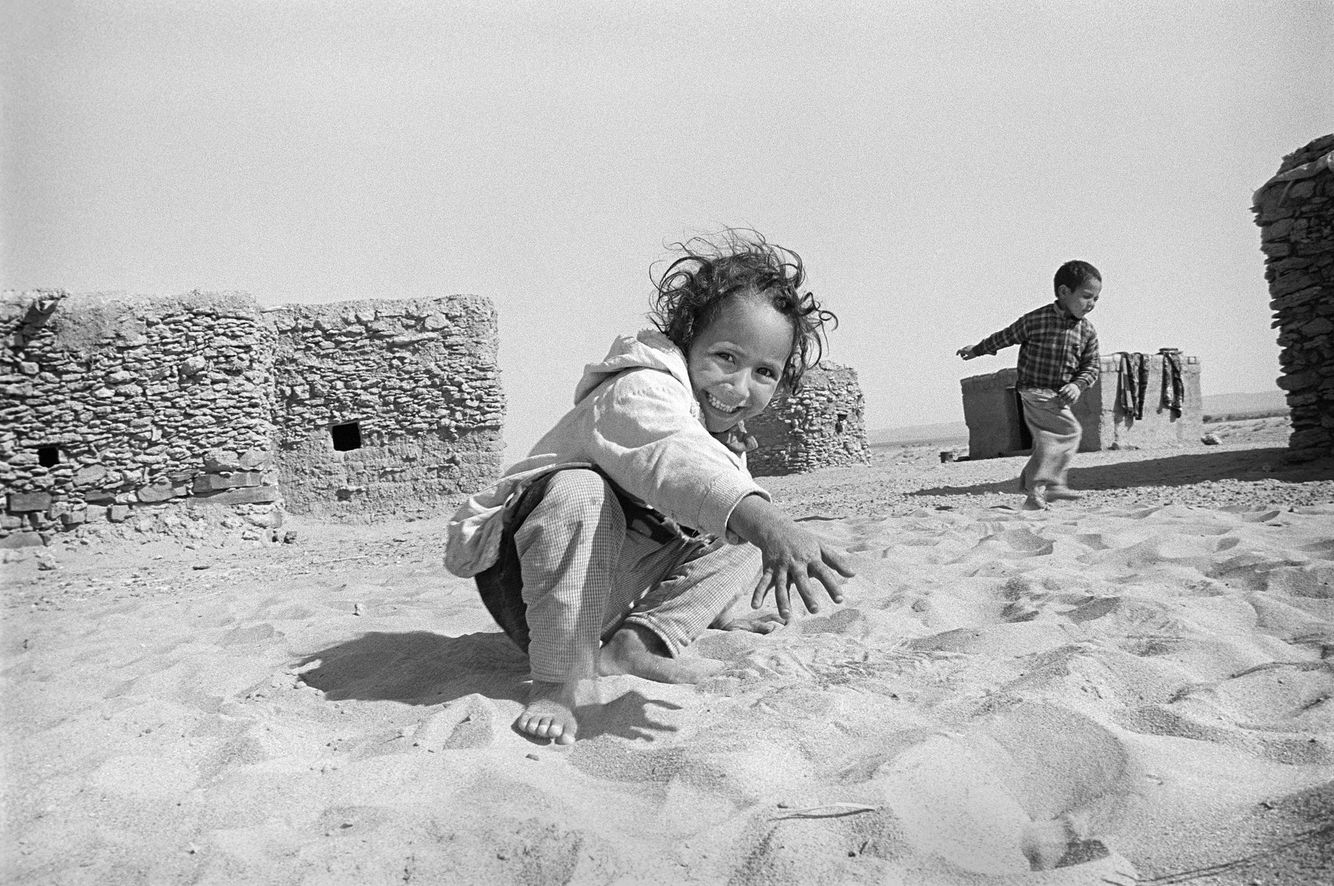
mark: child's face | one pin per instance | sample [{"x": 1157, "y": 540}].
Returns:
[
  {"x": 1080, "y": 301},
  {"x": 736, "y": 362}
]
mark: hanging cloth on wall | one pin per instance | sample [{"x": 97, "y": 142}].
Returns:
[
  {"x": 1174, "y": 390},
  {"x": 1131, "y": 381}
]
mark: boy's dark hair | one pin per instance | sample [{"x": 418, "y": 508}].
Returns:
[
  {"x": 1074, "y": 274},
  {"x": 739, "y": 262}
]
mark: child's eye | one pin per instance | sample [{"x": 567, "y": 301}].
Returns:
[{"x": 724, "y": 355}]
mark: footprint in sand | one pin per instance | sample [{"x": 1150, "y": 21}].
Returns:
[
  {"x": 1014, "y": 795},
  {"x": 850, "y": 622},
  {"x": 1007, "y": 544},
  {"x": 468, "y": 722},
  {"x": 1282, "y": 711},
  {"x": 257, "y": 633},
  {"x": 1313, "y": 581}
]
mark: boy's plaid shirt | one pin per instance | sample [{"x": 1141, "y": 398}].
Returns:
[{"x": 1055, "y": 348}]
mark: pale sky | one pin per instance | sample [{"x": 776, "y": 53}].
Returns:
[{"x": 932, "y": 162}]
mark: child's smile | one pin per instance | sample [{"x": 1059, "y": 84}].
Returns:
[
  {"x": 721, "y": 406},
  {"x": 737, "y": 362}
]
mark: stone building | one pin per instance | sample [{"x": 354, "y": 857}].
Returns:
[
  {"x": 1295, "y": 212},
  {"x": 385, "y": 404},
  {"x": 116, "y": 406},
  {"x": 822, "y": 425},
  {"x": 1140, "y": 401}
]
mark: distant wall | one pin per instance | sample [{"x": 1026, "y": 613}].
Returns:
[
  {"x": 386, "y": 403},
  {"x": 996, "y": 427},
  {"x": 112, "y": 402},
  {"x": 822, "y": 425},
  {"x": 1295, "y": 212},
  {"x": 116, "y": 406}
]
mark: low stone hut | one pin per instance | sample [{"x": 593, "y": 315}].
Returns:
[
  {"x": 822, "y": 425},
  {"x": 1140, "y": 401},
  {"x": 1295, "y": 212},
  {"x": 385, "y": 404},
  {"x": 113, "y": 406}
]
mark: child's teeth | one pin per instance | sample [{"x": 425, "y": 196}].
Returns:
[{"x": 718, "y": 404}]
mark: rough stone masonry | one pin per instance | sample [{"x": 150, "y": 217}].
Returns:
[
  {"x": 115, "y": 406},
  {"x": 1295, "y": 212},
  {"x": 823, "y": 425}
]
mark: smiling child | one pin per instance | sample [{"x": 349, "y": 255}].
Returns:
[{"x": 633, "y": 525}]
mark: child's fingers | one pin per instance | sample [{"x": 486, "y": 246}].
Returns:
[
  {"x": 808, "y": 595},
  {"x": 837, "y": 560},
  {"x": 827, "y": 577},
  {"x": 762, "y": 588},
  {"x": 781, "y": 598}
]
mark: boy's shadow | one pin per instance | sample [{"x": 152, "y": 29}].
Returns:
[
  {"x": 1250, "y": 465},
  {"x": 421, "y": 668}
]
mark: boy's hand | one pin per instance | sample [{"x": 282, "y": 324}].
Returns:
[
  {"x": 792, "y": 557},
  {"x": 1069, "y": 394},
  {"x": 966, "y": 353}
]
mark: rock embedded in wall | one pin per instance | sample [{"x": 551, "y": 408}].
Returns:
[{"x": 1295, "y": 213}]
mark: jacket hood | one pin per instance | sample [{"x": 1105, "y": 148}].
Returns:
[{"x": 647, "y": 349}]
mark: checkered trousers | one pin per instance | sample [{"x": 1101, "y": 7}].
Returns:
[
  {"x": 1056, "y": 435},
  {"x": 578, "y": 561}
]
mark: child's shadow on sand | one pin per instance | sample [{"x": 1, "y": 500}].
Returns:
[
  {"x": 416, "y": 667},
  {"x": 421, "y": 668}
]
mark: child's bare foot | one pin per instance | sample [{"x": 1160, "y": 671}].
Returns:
[
  {"x": 549, "y": 713},
  {"x": 1062, "y": 493},
  {"x": 639, "y": 652},
  {"x": 1037, "y": 499}
]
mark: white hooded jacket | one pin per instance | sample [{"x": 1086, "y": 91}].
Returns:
[{"x": 636, "y": 418}]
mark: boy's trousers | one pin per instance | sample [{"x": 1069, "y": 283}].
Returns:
[
  {"x": 578, "y": 561},
  {"x": 1056, "y": 434}
]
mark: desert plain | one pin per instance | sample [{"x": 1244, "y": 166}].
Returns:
[{"x": 1133, "y": 688}]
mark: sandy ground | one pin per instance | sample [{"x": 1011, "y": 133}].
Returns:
[{"x": 1132, "y": 688}]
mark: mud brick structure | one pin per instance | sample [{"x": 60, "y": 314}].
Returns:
[
  {"x": 1295, "y": 212},
  {"x": 822, "y": 425},
  {"x": 116, "y": 407},
  {"x": 1165, "y": 415}
]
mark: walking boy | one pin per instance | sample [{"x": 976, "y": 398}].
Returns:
[{"x": 1058, "y": 361}]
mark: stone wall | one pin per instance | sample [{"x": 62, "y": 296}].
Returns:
[
  {"x": 113, "y": 403},
  {"x": 116, "y": 407},
  {"x": 386, "y": 402},
  {"x": 822, "y": 425},
  {"x": 1295, "y": 212},
  {"x": 996, "y": 426}
]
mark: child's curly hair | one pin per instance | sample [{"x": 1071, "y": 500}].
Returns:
[{"x": 740, "y": 262}]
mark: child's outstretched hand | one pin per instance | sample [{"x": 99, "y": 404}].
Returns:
[
  {"x": 966, "y": 352},
  {"x": 793, "y": 557}
]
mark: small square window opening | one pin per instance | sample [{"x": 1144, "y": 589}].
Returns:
[{"x": 346, "y": 437}]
